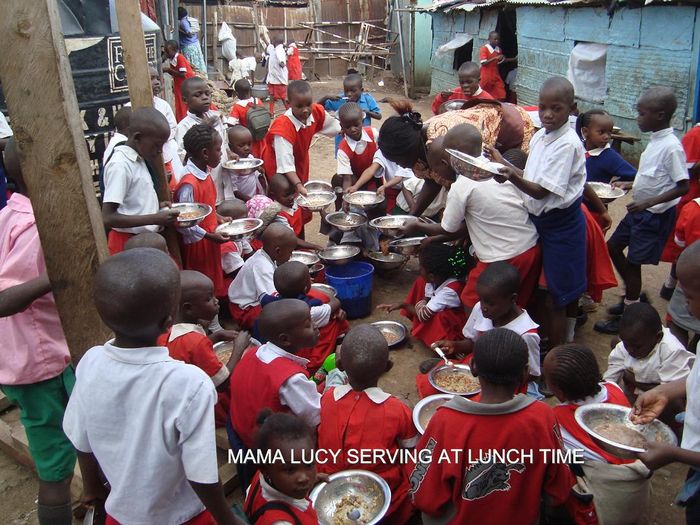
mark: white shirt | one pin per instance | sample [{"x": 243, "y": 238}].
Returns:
[
  {"x": 149, "y": 421},
  {"x": 249, "y": 64},
  {"x": 442, "y": 297},
  {"x": 414, "y": 185},
  {"x": 523, "y": 325},
  {"x": 170, "y": 147},
  {"x": 277, "y": 67},
  {"x": 232, "y": 261},
  {"x": 356, "y": 146},
  {"x": 284, "y": 150},
  {"x": 557, "y": 162},
  {"x": 254, "y": 279},
  {"x": 181, "y": 329},
  {"x": 668, "y": 361},
  {"x": 297, "y": 392},
  {"x": 128, "y": 183},
  {"x": 233, "y": 181},
  {"x": 320, "y": 315},
  {"x": 232, "y": 121},
  {"x": 498, "y": 222},
  {"x": 661, "y": 166},
  {"x": 691, "y": 426},
  {"x": 5, "y": 129},
  {"x": 389, "y": 169},
  {"x": 116, "y": 139}
]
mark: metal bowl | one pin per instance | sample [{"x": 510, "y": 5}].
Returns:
[
  {"x": 408, "y": 246},
  {"x": 458, "y": 368},
  {"x": 318, "y": 185},
  {"x": 606, "y": 192},
  {"x": 198, "y": 211},
  {"x": 363, "y": 199},
  {"x": 338, "y": 255},
  {"x": 388, "y": 262},
  {"x": 346, "y": 222},
  {"x": 591, "y": 416},
  {"x": 394, "y": 332},
  {"x": 475, "y": 168},
  {"x": 316, "y": 269},
  {"x": 316, "y": 200},
  {"x": 454, "y": 104},
  {"x": 392, "y": 225},
  {"x": 367, "y": 486},
  {"x": 245, "y": 166},
  {"x": 260, "y": 91},
  {"x": 425, "y": 409},
  {"x": 308, "y": 258},
  {"x": 325, "y": 288},
  {"x": 240, "y": 228},
  {"x": 223, "y": 351}
]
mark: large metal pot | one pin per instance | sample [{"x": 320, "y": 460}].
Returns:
[{"x": 260, "y": 91}]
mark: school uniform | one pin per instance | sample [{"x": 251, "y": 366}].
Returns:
[
  {"x": 458, "y": 94},
  {"x": 129, "y": 184},
  {"x": 355, "y": 156},
  {"x": 690, "y": 491},
  {"x": 293, "y": 217},
  {"x": 293, "y": 62},
  {"x": 668, "y": 361},
  {"x": 198, "y": 252},
  {"x": 687, "y": 232},
  {"x": 239, "y": 115},
  {"x": 366, "y": 103},
  {"x": 147, "y": 418},
  {"x": 265, "y": 505},
  {"x": 233, "y": 255},
  {"x": 491, "y": 79},
  {"x": 414, "y": 185},
  {"x": 661, "y": 166},
  {"x": 448, "y": 314},
  {"x": 116, "y": 140},
  {"x": 460, "y": 491},
  {"x": 270, "y": 377},
  {"x": 277, "y": 73},
  {"x": 247, "y": 184},
  {"x": 180, "y": 63},
  {"x": 254, "y": 279},
  {"x": 557, "y": 163},
  {"x": 389, "y": 170},
  {"x": 600, "y": 271},
  {"x": 604, "y": 164},
  {"x": 369, "y": 419}
]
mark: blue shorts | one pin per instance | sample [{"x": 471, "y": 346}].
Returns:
[{"x": 645, "y": 235}]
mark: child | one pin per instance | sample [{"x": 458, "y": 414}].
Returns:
[
  {"x": 173, "y": 165},
  {"x": 357, "y": 149},
  {"x": 130, "y": 201},
  {"x": 291, "y": 214},
  {"x": 469, "y": 75},
  {"x": 406, "y": 199},
  {"x": 552, "y": 188},
  {"x": 233, "y": 252},
  {"x": 255, "y": 278},
  {"x": 121, "y": 135},
  {"x": 292, "y": 281},
  {"x": 362, "y": 416},
  {"x": 433, "y": 303},
  {"x": 277, "y": 74},
  {"x": 239, "y": 112},
  {"x": 621, "y": 488},
  {"x": 147, "y": 240},
  {"x": 179, "y": 68},
  {"x": 242, "y": 185},
  {"x": 603, "y": 164},
  {"x": 293, "y": 61},
  {"x": 647, "y": 355},
  {"x": 661, "y": 181},
  {"x": 280, "y": 489},
  {"x": 490, "y": 57},
  {"x": 35, "y": 371},
  {"x": 273, "y": 376},
  {"x": 187, "y": 339},
  {"x": 139, "y": 418},
  {"x": 478, "y": 488},
  {"x": 201, "y": 249}
]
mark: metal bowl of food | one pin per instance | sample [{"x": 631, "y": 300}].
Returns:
[
  {"x": 475, "y": 168},
  {"x": 425, "y": 409},
  {"x": 318, "y": 185},
  {"x": 351, "y": 490},
  {"x": 308, "y": 258},
  {"x": 610, "y": 427},
  {"x": 407, "y": 246},
  {"x": 240, "y": 228},
  {"x": 191, "y": 213},
  {"x": 606, "y": 192},
  {"x": 315, "y": 269},
  {"x": 243, "y": 166},
  {"x": 363, "y": 199},
  {"x": 346, "y": 222},
  {"x": 456, "y": 379},
  {"x": 316, "y": 200},
  {"x": 387, "y": 262},
  {"x": 392, "y": 225},
  {"x": 454, "y": 104},
  {"x": 325, "y": 288},
  {"x": 223, "y": 351},
  {"x": 338, "y": 255},
  {"x": 394, "y": 332}
]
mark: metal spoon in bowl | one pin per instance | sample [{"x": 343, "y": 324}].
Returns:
[{"x": 439, "y": 352}]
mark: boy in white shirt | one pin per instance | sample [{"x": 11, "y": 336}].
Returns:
[
  {"x": 277, "y": 73},
  {"x": 121, "y": 134}
]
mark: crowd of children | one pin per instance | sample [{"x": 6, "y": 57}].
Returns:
[{"x": 501, "y": 277}]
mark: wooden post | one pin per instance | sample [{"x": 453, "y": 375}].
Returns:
[
  {"x": 43, "y": 108},
  {"x": 140, "y": 92}
]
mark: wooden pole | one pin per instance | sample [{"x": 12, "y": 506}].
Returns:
[
  {"x": 41, "y": 99},
  {"x": 140, "y": 92}
]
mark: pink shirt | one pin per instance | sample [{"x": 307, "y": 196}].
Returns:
[{"x": 32, "y": 344}]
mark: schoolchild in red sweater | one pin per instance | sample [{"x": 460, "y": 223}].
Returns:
[
  {"x": 279, "y": 492},
  {"x": 477, "y": 486},
  {"x": 239, "y": 111},
  {"x": 291, "y": 214},
  {"x": 361, "y": 415},
  {"x": 469, "y": 75}
]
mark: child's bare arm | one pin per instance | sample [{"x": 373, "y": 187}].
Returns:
[
  {"x": 212, "y": 495},
  {"x": 393, "y": 182},
  {"x": 18, "y": 298},
  {"x": 681, "y": 189},
  {"x": 598, "y": 207},
  {"x": 113, "y": 219},
  {"x": 388, "y": 308},
  {"x": 239, "y": 346},
  {"x": 306, "y": 245},
  {"x": 409, "y": 198},
  {"x": 366, "y": 176},
  {"x": 93, "y": 489},
  {"x": 296, "y": 181}
]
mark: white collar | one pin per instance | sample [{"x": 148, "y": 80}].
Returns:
[
  {"x": 270, "y": 493},
  {"x": 600, "y": 397},
  {"x": 520, "y": 325},
  {"x": 129, "y": 152},
  {"x": 298, "y": 124},
  {"x": 375, "y": 394},
  {"x": 551, "y": 136},
  {"x": 180, "y": 329},
  {"x": 245, "y": 102},
  {"x": 491, "y": 48},
  {"x": 597, "y": 151},
  {"x": 655, "y": 135},
  {"x": 279, "y": 352},
  {"x": 194, "y": 170},
  {"x": 353, "y": 143},
  {"x": 173, "y": 60},
  {"x": 478, "y": 92},
  {"x": 429, "y": 288},
  {"x": 137, "y": 356},
  {"x": 199, "y": 120}
]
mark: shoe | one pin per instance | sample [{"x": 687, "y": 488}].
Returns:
[
  {"x": 427, "y": 365},
  {"x": 581, "y": 318},
  {"x": 666, "y": 292},
  {"x": 611, "y": 326},
  {"x": 616, "y": 309}
]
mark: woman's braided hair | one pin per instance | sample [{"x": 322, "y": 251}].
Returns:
[
  {"x": 400, "y": 136},
  {"x": 197, "y": 138}
]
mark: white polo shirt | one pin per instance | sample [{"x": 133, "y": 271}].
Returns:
[
  {"x": 691, "y": 426},
  {"x": 128, "y": 183},
  {"x": 253, "y": 280},
  {"x": 284, "y": 150},
  {"x": 661, "y": 166},
  {"x": 557, "y": 162},
  {"x": 356, "y": 146},
  {"x": 498, "y": 222},
  {"x": 149, "y": 421},
  {"x": 390, "y": 170},
  {"x": 277, "y": 72}
]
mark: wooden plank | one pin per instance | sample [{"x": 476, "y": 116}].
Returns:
[
  {"x": 4, "y": 402},
  {"x": 41, "y": 101}
]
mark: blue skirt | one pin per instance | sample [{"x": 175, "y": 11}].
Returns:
[{"x": 563, "y": 239}]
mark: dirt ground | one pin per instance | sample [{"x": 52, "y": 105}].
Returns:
[{"x": 18, "y": 485}]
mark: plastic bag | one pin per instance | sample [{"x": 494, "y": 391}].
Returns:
[{"x": 228, "y": 42}]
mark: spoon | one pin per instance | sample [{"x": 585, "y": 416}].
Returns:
[{"x": 439, "y": 352}]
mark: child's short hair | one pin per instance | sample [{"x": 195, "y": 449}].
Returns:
[
  {"x": 234, "y": 208},
  {"x": 280, "y": 427},
  {"x": 352, "y": 78},
  {"x": 298, "y": 87},
  {"x": 469, "y": 68},
  {"x": 279, "y": 317},
  {"x": 400, "y": 136},
  {"x": 290, "y": 279},
  {"x": 563, "y": 88},
  {"x": 584, "y": 119},
  {"x": 147, "y": 240},
  {"x": 573, "y": 370},
  {"x": 280, "y": 185},
  {"x": 238, "y": 129},
  {"x": 189, "y": 83},
  {"x": 516, "y": 157},
  {"x": 197, "y": 138},
  {"x": 350, "y": 110},
  {"x": 501, "y": 277},
  {"x": 661, "y": 98},
  {"x": 365, "y": 353},
  {"x": 465, "y": 138},
  {"x": 500, "y": 357},
  {"x": 443, "y": 260},
  {"x": 122, "y": 119},
  {"x": 640, "y": 316},
  {"x": 173, "y": 44},
  {"x": 242, "y": 86}
]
